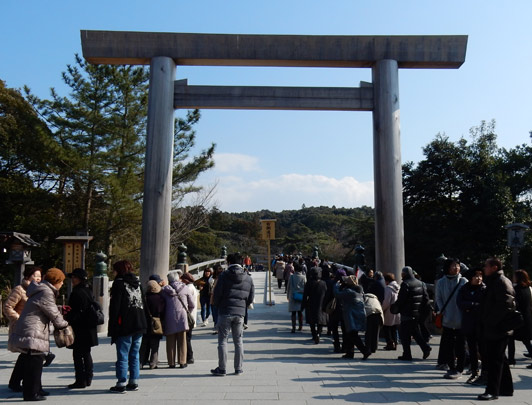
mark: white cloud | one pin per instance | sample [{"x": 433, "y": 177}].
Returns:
[
  {"x": 235, "y": 162},
  {"x": 291, "y": 191}
]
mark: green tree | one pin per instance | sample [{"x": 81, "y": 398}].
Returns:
[
  {"x": 101, "y": 126},
  {"x": 457, "y": 201},
  {"x": 31, "y": 161}
]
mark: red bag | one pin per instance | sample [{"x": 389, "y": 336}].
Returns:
[{"x": 438, "y": 318}]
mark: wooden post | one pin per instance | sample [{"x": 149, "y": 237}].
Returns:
[
  {"x": 389, "y": 233},
  {"x": 157, "y": 204}
]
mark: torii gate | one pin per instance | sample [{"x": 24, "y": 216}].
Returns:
[{"x": 383, "y": 54}]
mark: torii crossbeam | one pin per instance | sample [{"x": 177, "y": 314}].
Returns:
[{"x": 383, "y": 54}]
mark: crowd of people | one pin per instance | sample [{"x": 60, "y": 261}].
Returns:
[
  {"x": 139, "y": 317},
  {"x": 477, "y": 308},
  {"x": 482, "y": 314}
]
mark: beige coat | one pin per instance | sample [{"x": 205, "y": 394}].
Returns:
[
  {"x": 14, "y": 304},
  {"x": 32, "y": 330}
]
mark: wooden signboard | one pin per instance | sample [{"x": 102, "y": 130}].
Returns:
[{"x": 268, "y": 229}]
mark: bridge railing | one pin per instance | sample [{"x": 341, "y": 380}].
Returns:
[{"x": 196, "y": 268}]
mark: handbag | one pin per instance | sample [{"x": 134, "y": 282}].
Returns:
[
  {"x": 330, "y": 306},
  {"x": 95, "y": 314},
  {"x": 156, "y": 326},
  {"x": 190, "y": 319},
  {"x": 394, "y": 308},
  {"x": 297, "y": 296},
  {"x": 512, "y": 320},
  {"x": 438, "y": 319},
  {"x": 64, "y": 337}
]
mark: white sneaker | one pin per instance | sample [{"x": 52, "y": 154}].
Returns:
[{"x": 205, "y": 323}]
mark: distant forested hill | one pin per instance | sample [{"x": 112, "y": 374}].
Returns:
[{"x": 336, "y": 231}]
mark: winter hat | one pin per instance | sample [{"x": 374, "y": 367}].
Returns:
[
  {"x": 156, "y": 278},
  {"x": 341, "y": 273},
  {"x": 54, "y": 275},
  {"x": 79, "y": 273},
  {"x": 153, "y": 287}
]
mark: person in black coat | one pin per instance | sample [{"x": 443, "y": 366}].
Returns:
[
  {"x": 335, "y": 318},
  {"x": 85, "y": 334},
  {"x": 127, "y": 324},
  {"x": 496, "y": 306},
  {"x": 412, "y": 298},
  {"x": 313, "y": 302},
  {"x": 155, "y": 307},
  {"x": 469, "y": 297},
  {"x": 523, "y": 302}
]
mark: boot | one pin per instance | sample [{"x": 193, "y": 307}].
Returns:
[
  {"x": 77, "y": 384},
  {"x": 391, "y": 346}
]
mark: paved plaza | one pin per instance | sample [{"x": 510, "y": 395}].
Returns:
[{"x": 279, "y": 367}]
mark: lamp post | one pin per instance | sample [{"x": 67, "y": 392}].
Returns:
[
  {"x": 516, "y": 240},
  {"x": 267, "y": 234}
]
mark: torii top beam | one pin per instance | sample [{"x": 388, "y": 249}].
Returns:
[{"x": 137, "y": 48}]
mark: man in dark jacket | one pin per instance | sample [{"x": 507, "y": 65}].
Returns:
[
  {"x": 498, "y": 302},
  {"x": 234, "y": 292},
  {"x": 412, "y": 297}
]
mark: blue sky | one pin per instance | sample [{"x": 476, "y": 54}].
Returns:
[{"x": 282, "y": 159}]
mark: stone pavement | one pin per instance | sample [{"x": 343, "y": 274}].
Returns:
[{"x": 279, "y": 367}]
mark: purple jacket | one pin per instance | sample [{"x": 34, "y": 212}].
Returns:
[{"x": 175, "y": 315}]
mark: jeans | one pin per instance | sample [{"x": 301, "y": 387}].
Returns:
[
  {"x": 205, "y": 303},
  {"x": 127, "y": 357},
  {"x": 234, "y": 324}
]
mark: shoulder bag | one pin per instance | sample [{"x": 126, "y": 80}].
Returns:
[
  {"x": 95, "y": 314},
  {"x": 190, "y": 319},
  {"x": 156, "y": 326}
]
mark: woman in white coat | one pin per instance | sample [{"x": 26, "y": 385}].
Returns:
[{"x": 391, "y": 321}]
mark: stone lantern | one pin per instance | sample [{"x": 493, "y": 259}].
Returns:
[
  {"x": 17, "y": 245},
  {"x": 516, "y": 240}
]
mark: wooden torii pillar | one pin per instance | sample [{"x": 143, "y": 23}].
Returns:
[{"x": 385, "y": 55}]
